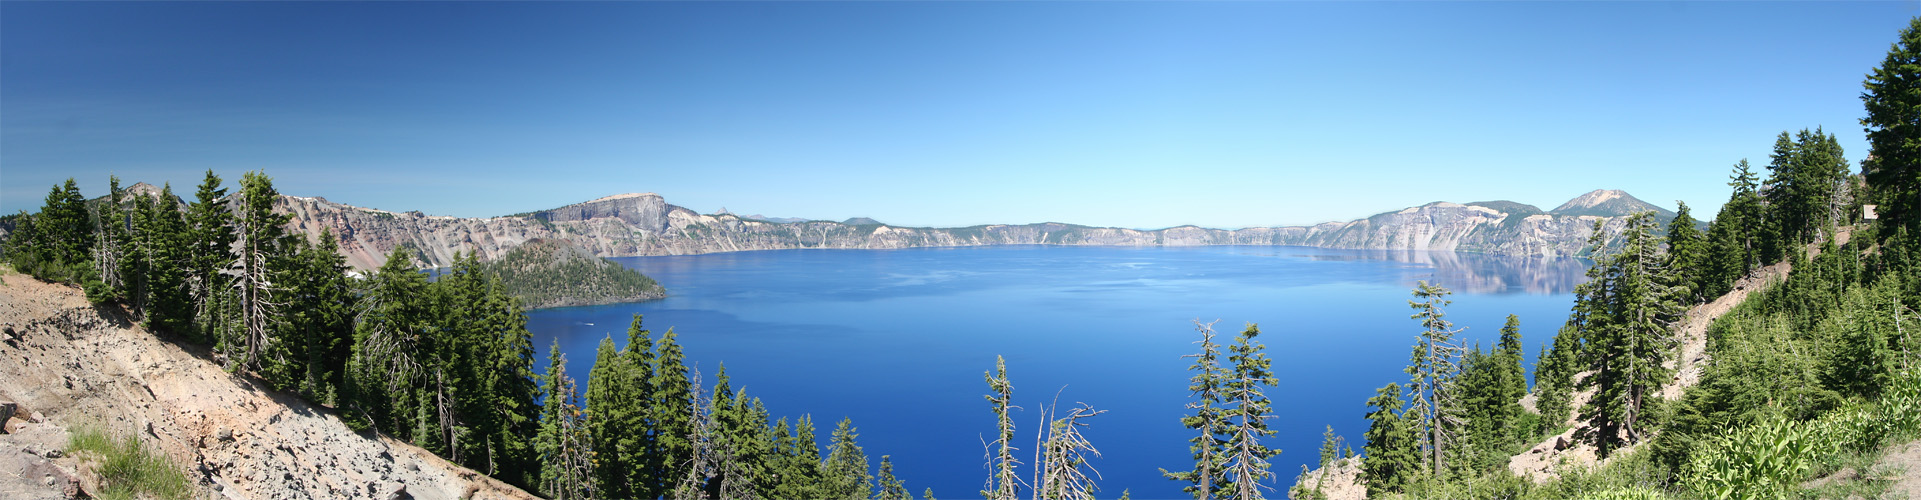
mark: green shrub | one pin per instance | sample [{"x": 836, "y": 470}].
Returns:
[
  {"x": 1629, "y": 493},
  {"x": 1770, "y": 458}
]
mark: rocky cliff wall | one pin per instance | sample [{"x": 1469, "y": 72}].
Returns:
[{"x": 645, "y": 224}]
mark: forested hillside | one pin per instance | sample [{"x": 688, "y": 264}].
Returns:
[
  {"x": 1812, "y": 376},
  {"x": 545, "y": 273},
  {"x": 1806, "y": 382},
  {"x": 445, "y": 364}
]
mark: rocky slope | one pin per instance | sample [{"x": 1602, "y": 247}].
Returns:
[
  {"x": 645, "y": 224},
  {"x": 71, "y": 365}
]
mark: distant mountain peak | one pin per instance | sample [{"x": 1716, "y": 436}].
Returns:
[
  {"x": 622, "y": 196},
  {"x": 1609, "y": 203}
]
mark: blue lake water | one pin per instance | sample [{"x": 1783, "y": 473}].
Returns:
[{"x": 898, "y": 340}]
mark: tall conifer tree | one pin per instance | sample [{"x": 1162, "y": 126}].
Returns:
[
  {"x": 1392, "y": 452},
  {"x": 1892, "y": 97},
  {"x": 1208, "y": 423},
  {"x": 1438, "y": 413},
  {"x": 1247, "y": 412}
]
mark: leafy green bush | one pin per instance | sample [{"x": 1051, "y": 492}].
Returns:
[
  {"x": 1629, "y": 493},
  {"x": 1770, "y": 458}
]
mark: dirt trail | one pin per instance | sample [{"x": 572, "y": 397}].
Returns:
[
  {"x": 1540, "y": 462},
  {"x": 78, "y": 366}
]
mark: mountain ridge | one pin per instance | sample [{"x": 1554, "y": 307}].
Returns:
[{"x": 645, "y": 224}]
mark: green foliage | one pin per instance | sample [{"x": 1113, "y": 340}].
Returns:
[
  {"x": 1687, "y": 252},
  {"x": 552, "y": 273},
  {"x": 65, "y": 226},
  {"x": 1392, "y": 449},
  {"x": 448, "y": 363},
  {"x": 210, "y": 237},
  {"x": 1625, "y": 311},
  {"x": 162, "y": 240},
  {"x": 890, "y": 486},
  {"x": 1437, "y": 411},
  {"x": 1893, "y": 123},
  {"x": 563, "y": 445},
  {"x": 55, "y": 244},
  {"x": 1806, "y": 176},
  {"x": 1772, "y": 457},
  {"x": 1246, "y": 410},
  {"x": 674, "y": 426},
  {"x": 1738, "y": 236},
  {"x": 1003, "y": 483},
  {"x": 127, "y": 469},
  {"x": 1205, "y": 388},
  {"x": 619, "y": 392},
  {"x": 845, "y": 472}
]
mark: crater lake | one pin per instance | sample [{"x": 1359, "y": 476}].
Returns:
[{"x": 898, "y": 340}]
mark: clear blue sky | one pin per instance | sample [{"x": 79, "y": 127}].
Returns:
[{"x": 1135, "y": 114}]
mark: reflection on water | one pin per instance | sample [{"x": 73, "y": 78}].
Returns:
[
  {"x": 829, "y": 332},
  {"x": 1474, "y": 272}
]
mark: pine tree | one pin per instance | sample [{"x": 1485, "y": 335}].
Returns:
[
  {"x": 1806, "y": 174},
  {"x": 702, "y": 464},
  {"x": 566, "y": 459},
  {"x": 259, "y": 237},
  {"x": 1687, "y": 252},
  {"x": 1205, "y": 388},
  {"x": 1247, "y": 410},
  {"x": 166, "y": 246},
  {"x": 391, "y": 334},
  {"x": 638, "y": 439},
  {"x": 798, "y": 464},
  {"x": 111, "y": 238},
  {"x": 609, "y": 409},
  {"x": 667, "y": 408},
  {"x": 1630, "y": 336},
  {"x": 891, "y": 487},
  {"x": 1330, "y": 447},
  {"x": 1554, "y": 380},
  {"x": 1004, "y": 483},
  {"x": 504, "y": 350},
  {"x": 54, "y": 244},
  {"x": 212, "y": 237},
  {"x": 1893, "y": 126},
  {"x": 1510, "y": 385},
  {"x": 1392, "y": 449},
  {"x": 137, "y": 266},
  {"x": 1438, "y": 413},
  {"x": 846, "y": 467},
  {"x": 66, "y": 225}
]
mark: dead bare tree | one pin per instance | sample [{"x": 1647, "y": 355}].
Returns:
[
  {"x": 702, "y": 466},
  {"x": 574, "y": 461},
  {"x": 1063, "y": 471}
]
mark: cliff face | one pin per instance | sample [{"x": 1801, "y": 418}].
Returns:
[{"x": 645, "y": 224}]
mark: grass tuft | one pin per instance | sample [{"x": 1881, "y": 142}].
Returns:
[{"x": 127, "y": 469}]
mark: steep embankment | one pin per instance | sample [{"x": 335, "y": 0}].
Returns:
[
  {"x": 77, "y": 365},
  {"x": 645, "y": 224}
]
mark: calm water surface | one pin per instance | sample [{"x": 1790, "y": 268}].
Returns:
[{"x": 898, "y": 339}]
